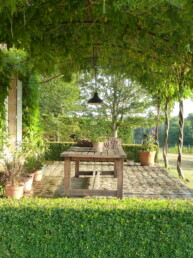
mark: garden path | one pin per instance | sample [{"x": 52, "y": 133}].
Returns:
[{"x": 139, "y": 181}]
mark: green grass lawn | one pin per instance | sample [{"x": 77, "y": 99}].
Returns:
[{"x": 187, "y": 166}]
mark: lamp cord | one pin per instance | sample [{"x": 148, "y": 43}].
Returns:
[{"x": 95, "y": 68}]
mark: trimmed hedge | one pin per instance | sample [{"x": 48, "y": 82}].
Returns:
[
  {"x": 132, "y": 151},
  {"x": 56, "y": 148},
  {"x": 96, "y": 228}
]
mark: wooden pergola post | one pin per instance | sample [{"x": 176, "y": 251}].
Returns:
[{"x": 14, "y": 114}]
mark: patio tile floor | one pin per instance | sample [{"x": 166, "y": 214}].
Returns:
[{"x": 142, "y": 182}]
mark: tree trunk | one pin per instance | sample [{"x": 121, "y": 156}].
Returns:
[
  {"x": 157, "y": 122},
  {"x": 114, "y": 114},
  {"x": 165, "y": 147},
  {"x": 180, "y": 139},
  {"x": 115, "y": 133},
  {"x": 156, "y": 130},
  {"x": 114, "y": 128},
  {"x": 57, "y": 134}
]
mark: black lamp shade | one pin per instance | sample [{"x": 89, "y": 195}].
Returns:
[{"x": 95, "y": 100}]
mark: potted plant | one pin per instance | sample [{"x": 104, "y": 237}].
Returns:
[
  {"x": 98, "y": 143},
  {"x": 38, "y": 173},
  {"x": 28, "y": 174},
  {"x": 2, "y": 183},
  {"x": 28, "y": 182},
  {"x": 149, "y": 147},
  {"x": 33, "y": 165},
  {"x": 13, "y": 166}
]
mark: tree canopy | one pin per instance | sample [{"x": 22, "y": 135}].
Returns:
[{"x": 123, "y": 99}]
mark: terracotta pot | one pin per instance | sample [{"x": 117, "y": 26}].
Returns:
[
  {"x": 98, "y": 146},
  {"x": 38, "y": 174},
  {"x": 28, "y": 182},
  {"x": 147, "y": 158},
  {"x": 15, "y": 192}
]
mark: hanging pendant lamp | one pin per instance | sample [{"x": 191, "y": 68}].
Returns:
[{"x": 95, "y": 100}]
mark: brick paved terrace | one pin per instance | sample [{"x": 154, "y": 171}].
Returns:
[{"x": 142, "y": 182}]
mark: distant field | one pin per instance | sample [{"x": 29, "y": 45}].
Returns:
[
  {"x": 187, "y": 165},
  {"x": 186, "y": 150}
]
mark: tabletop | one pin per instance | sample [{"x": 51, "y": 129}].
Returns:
[{"x": 76, "y": 151}]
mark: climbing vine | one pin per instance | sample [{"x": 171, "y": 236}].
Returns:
[
  {"x": 12, "y": 64},
  {"x": 65, "y": 31},
  {"x": 32, "y": 129},
  {"x": 5, "y": 74}
]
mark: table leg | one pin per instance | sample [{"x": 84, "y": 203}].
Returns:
[
  {"x": 67, "y": 179},
  {"x": 120, "y": 178},
  {"x": 115, "y": 168},
  {"x": 77, "y": 163}
]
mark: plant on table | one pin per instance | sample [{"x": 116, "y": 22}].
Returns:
[
  {"x": 98, "y": 142},
  {"x": 96, "y": 138}
]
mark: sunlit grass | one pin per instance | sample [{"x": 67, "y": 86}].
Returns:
[
  {"x": 186, "y": 150},
  {"x": 187, "y": 166}
]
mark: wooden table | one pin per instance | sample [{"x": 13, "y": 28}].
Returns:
[{"x": 78, "y": 154}]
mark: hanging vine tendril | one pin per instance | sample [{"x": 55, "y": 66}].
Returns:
[{"x": 104, "y": 6}]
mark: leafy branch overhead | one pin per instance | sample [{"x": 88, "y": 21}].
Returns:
[{"x": 124, "y": 32}]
